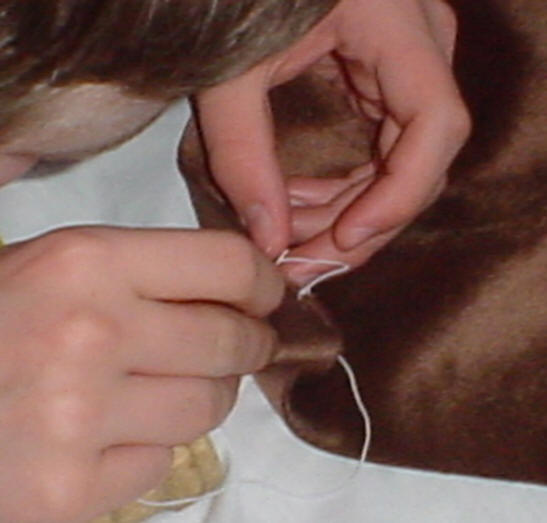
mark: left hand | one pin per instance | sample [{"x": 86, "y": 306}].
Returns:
[{"x": 394, "y": 58}]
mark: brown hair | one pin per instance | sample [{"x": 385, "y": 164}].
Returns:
[{"x": 159, "y": 48}]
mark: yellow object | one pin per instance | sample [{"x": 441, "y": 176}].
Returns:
[{"x": 196, "y": 470}]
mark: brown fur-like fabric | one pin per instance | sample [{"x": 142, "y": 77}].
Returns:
[{"x": 447, "y": 326}]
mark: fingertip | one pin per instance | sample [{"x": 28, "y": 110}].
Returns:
[
  {"x": 270, "y": 246},
  {"x": 270, "y": 230}
]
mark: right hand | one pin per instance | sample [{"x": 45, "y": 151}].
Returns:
[
  {"x": 393, "y": 59},
  {"x": 116, "y": 345}
]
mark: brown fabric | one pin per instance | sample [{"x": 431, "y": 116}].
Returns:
[
  {"x": 309, "y": 342},
  {"x": 446, "y": 328}
]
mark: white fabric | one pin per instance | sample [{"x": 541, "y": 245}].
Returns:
[
  {"x": 138, "y": 185},
  {"x": 261, "y": 448},
  {"x": 135, "y": 184}
]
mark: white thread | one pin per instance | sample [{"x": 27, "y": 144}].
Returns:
[
  {"x": 340, "y": 268},
  {"x": 360, "y": 406},
  {"x": 182, "y": 501},
  {"x": 364, "y": 450}
]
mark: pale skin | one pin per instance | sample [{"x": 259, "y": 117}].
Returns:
[
  {"x": 116, "y": 344},
  {"x": 400, "y": 75},
  {"x": 119, "y": 344}
]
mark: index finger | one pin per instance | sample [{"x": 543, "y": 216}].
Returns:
[
  {"x": 199, "y": 265},
  {"x": 238, "y": 131},
  {"x": 434, "y": 122}
]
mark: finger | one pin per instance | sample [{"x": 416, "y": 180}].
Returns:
[
  {"x": 312, "y": 192},
  {"x": 166, "y": 410},
  {"x": 323, "y": 247},
  {"x": 305, "y": 191},
  {"x": 411, "y": 174},
  {"x": 214, "y": 266},
  {"x": 197, "y": 340},
  {"x": 400, "y": 193},
  {"x": 308, "y": 222},
  {"x": 238, "y": 131},
  {"x": 126, "y": 472},
  {"x": 434, "y": 125}
]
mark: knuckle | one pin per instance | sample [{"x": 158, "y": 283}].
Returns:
[
  {"x": 73, "y": 255},
  {"x": 461, "y": 122},
  {"x": 69, "y": 415},
  {"x": 450, "y": 113},
  {"x": 84, "y": 335}
]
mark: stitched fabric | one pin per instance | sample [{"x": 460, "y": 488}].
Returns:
[{"x": 445, "y": 327}]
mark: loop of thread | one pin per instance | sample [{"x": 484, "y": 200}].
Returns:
[{"x": 339, "y": 268}]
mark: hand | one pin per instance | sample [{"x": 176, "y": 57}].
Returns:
[
  {"x": 115, "y": 346},
  {"x": 393, "y": 58}
]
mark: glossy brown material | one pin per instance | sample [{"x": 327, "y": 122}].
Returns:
[{"x": 446, "y": 328}]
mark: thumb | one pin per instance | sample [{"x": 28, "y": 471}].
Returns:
[{"x": 237, "y": 127}]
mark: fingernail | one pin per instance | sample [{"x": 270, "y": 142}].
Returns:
[
  {"x": 354, "y": 237},
  {"x": 295, "y": 201},
  {"x": 257, "y": 218}
]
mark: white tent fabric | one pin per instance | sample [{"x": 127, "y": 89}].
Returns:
[{"x": 138, "y": 184}]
